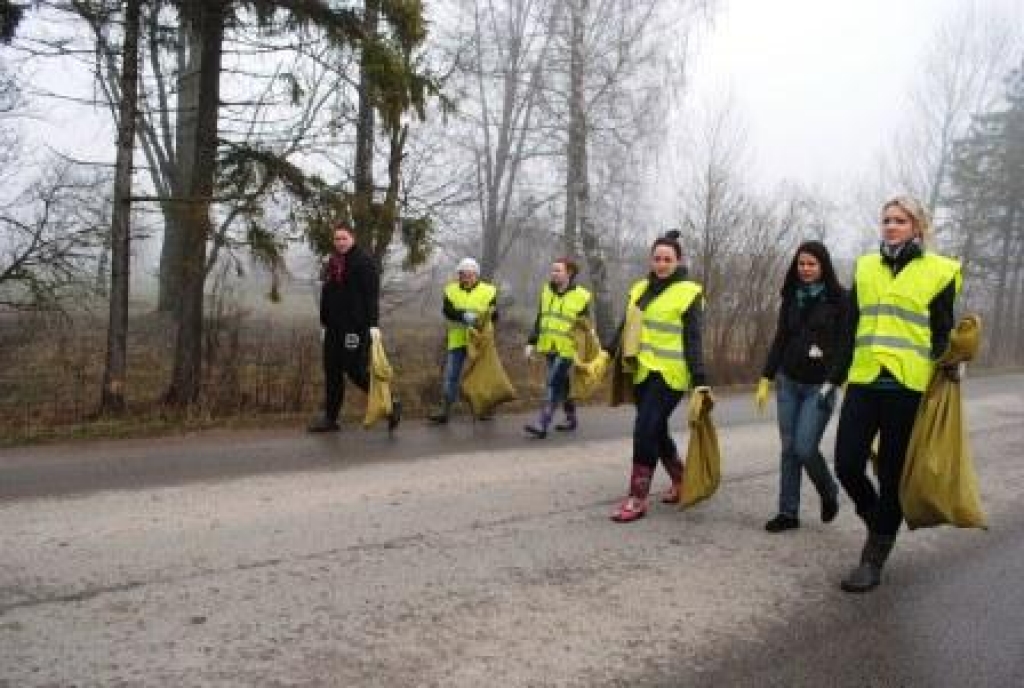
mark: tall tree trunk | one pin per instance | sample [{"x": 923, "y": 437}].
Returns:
[
  {"x": 577, "y": 139},
  {"x": 103, "y": 266},
  {"x": 1015, "y": 306},
  {"x": 580, "y": 233},
  {"x": 389, "y": 211},
  {"x": 204, "y": 26},
  {"x": 362, "y": 207},
  {"x": 112, "y": 397},
  {"x": 1001, "y": 314},
  {"x": 171, "y": 255},
  {"x": 172, "y": 251}
]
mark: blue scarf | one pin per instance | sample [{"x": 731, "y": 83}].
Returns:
[{"x": 808, "y": 293}]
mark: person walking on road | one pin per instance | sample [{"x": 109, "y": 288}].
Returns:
[
  {"x": 901, "y": 318},
  {"x": 669, "y": 363},
  {"x": 562, "y": 303},
  {"x": 349, "y": 314},
  {"x": 802, "y": 362},
  {"x": 466, "y": 300}
]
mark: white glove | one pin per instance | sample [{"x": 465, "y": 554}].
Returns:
[
  {"x": 375, "y": 334},
  {"x": 528, "y": 351},
  {"x": 323, "y": 334},
  {"x": 825, "y": 400},
  {"x": 469, "y": 317}
]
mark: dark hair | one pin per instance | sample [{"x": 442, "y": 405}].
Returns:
[
  {"x": 828, "y": 273},
  {"x": 670, "y": 239},
  {"x": 342, "y": 225},
  {"x": 571, "y": 266}
]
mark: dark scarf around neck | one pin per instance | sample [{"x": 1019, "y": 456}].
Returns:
[{"x": 337, "y": 265}]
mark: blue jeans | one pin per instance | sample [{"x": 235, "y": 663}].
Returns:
[
  {"x": 803, "y": 416},
  {"x": 453, "y": 363},
  {"x": 557, "y": 383}
]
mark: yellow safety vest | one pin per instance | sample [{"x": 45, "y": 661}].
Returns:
[
  {"x": 558, "y": 314},
  {"x": 661, "y": 337},
  {"x": 478, "y": 299},
  {"x": 893, "y": 329}
]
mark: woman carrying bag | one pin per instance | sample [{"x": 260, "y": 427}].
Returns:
[
  {"x": 902, "y": 314},
  {"x": 562, "y": 303},
  {"x": 669, "y": 363}
]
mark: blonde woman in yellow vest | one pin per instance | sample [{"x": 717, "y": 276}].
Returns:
[
  {"x": 902, "y": 313},
  {"x": 670, "y": 363},
  {"x": 465, "y": 301},
  {"x": 561, "y": 303}
]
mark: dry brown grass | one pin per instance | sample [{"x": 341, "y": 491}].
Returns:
[
  {"x": 261, "y": 369},
  {"x": 258, "y": 370}
]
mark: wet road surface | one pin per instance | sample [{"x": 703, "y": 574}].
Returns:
[{"x": 470, "y": 556}]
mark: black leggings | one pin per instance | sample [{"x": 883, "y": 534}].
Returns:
[
  {"x": 345, "y": 353},
  {"x": 890, "y": 414},
  {"x": 655, "y": 402}
]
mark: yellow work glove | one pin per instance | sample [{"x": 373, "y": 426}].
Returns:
[{"x": 761, "y": 395}]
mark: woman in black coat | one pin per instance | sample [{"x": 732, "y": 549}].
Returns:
[
  {"x": 806, "y": 363},
  {"x": 349, "y": 314}
]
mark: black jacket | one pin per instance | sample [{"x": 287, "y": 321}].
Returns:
[
  {"x": 354, "y": 304},
  {"x": 821, "y": 324}
]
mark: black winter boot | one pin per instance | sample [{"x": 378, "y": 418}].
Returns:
[
  {"x": 440, "y": 417},
  {"x": 396, "y": 413},
  {"x": 868, "y": 574},
  {"x": 570, "y": 418},
  {"x": 323, "y": 423},
  {"x": 540, "y": 428}
]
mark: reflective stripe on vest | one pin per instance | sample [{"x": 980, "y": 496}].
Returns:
[
  {"x": 558, "y": 314},
  {"x": 662, "y": 345},
  {"x": 894, "y": 327},
  {"x": 478, "y": 299}
]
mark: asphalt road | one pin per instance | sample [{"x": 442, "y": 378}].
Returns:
[
  {"x": 57, "y": 470},
  {"x": 470, "y": 556}
]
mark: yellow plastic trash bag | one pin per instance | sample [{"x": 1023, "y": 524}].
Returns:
[
  {"x": 588, "y": 377},
  {"x": 378, "y": 399},
  {"x": 591, "y": 363},
  {"x": 484, "y": 382},
  {"x": 624, "y": 363},
  {"x": 631, "y": 332},
  {"x": 703, "y": 470},
  {"x": 939, "y": 484}
]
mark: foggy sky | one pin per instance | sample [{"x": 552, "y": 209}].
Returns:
[{"x": 821, "y": 84}]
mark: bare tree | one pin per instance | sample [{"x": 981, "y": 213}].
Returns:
[
  {"x": 742, "y": 239},
  {"x": 615, "y": 97},
  {"x": 113, "y": 392},
  {"x": 969, "y": 54},
  {"x": 49, "y": 241},
  {"x": 510, "y": 44}
]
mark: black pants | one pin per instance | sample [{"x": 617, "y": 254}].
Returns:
[
  {"x": 889, "y": 413},
  {"x": 655, "y": 402},
  {"x": 345, "y": 353}
]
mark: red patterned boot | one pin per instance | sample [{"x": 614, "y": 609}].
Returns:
[
  {"x": 674, "y": 468},
  {"x": 634, "y": 507}
]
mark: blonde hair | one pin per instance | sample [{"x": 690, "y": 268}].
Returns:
[{"x": 917, "y": 212}]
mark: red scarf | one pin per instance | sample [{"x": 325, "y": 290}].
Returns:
[{"x": 336, "y": 268}]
